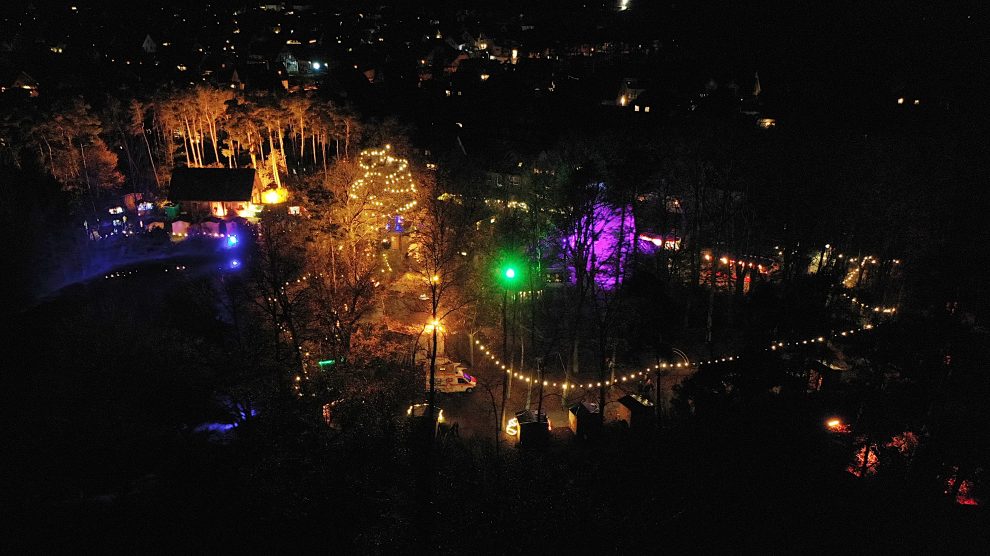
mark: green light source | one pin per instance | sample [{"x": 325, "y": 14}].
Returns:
[
  {"x": 510, "y": 271},
  {"x": 324, "y": 365}
]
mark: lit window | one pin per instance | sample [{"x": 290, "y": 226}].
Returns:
[
  {"x": 646, "y": 109},
  {"x": 636, "y": 108}
]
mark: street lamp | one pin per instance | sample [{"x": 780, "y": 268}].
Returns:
[{"x": 508, "y": 277}]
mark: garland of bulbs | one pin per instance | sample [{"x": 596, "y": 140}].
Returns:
[
  {"x": 126, "y": 273},
  {"x": 639, "y": 375},
  {"x": 381, "y": 166}
]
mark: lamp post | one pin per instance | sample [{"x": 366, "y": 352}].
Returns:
[
  {"x": 508, "y": 277},
  {"x": 539, "y": 378}
]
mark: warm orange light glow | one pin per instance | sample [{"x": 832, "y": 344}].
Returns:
[
  {"x": 250, "y": 211},
  {"x": 274, "y": 196},
  {"x": 836, "y": 425}
]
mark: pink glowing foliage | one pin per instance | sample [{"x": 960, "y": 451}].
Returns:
[{"x": 602, "y": 240}]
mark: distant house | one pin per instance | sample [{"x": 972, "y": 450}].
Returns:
[
  {"x": 215, "y": 192},
  {"x": 499, "y": 180},
  {"x": 22, "y": 82},
  {"x": 255, "y": 77},
  {"x": 289, "y": 61},
  {"x": 629, "y": 90}
]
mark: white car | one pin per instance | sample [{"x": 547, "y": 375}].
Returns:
[
  {"x": 451, "y": 381},
  {"x": 423, "y": 297}
]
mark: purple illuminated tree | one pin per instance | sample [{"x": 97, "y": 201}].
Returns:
[{"x": 599, "y": 244}]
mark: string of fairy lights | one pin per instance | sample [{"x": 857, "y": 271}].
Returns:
[
  {"x": 870, "y": 308},
  {"x": 659, "y": 367},
  {"x": 752, "y": 261},
  {"x": 688, "y": 364},
  {"x": 385, "y": 176},
  {"x": 132, "y": 272}
]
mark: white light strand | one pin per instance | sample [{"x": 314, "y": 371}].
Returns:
[{"x": 659, "y": 367}]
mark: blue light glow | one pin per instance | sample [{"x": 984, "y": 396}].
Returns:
[
  {"x": 235, "y": 263},
  {"x": 231, "y": 241}
]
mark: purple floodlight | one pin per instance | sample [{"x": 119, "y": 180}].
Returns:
[{"x": 602, "y": 241}]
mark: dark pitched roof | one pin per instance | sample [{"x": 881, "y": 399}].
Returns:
[
  {"x": 584, "y": 408},
  {"x": 635, "y": 403},
  {"x": 212, "y": 184}
]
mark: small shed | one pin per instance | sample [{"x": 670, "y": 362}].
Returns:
[
  {"x": 210, "y": 227},
  {"x": 180, "y": 228},
  {"x": 534, "y": 431},
  {"x": 584, "y": 419},
  {"x": 637, "y": 411}
]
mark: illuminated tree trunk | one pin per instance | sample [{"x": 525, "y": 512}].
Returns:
[
  {"x": 151, "y": 159},
  {"x": 324, "y": 152},
  {"x": 302, "y": 138},
  {"x": 188, "y": 152},
  {"x": 274, "y": 161},
  {"x": 213, "y": 139},
  {"x": 192, "y": 145},
  {"x": 347, "y": 138}
]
